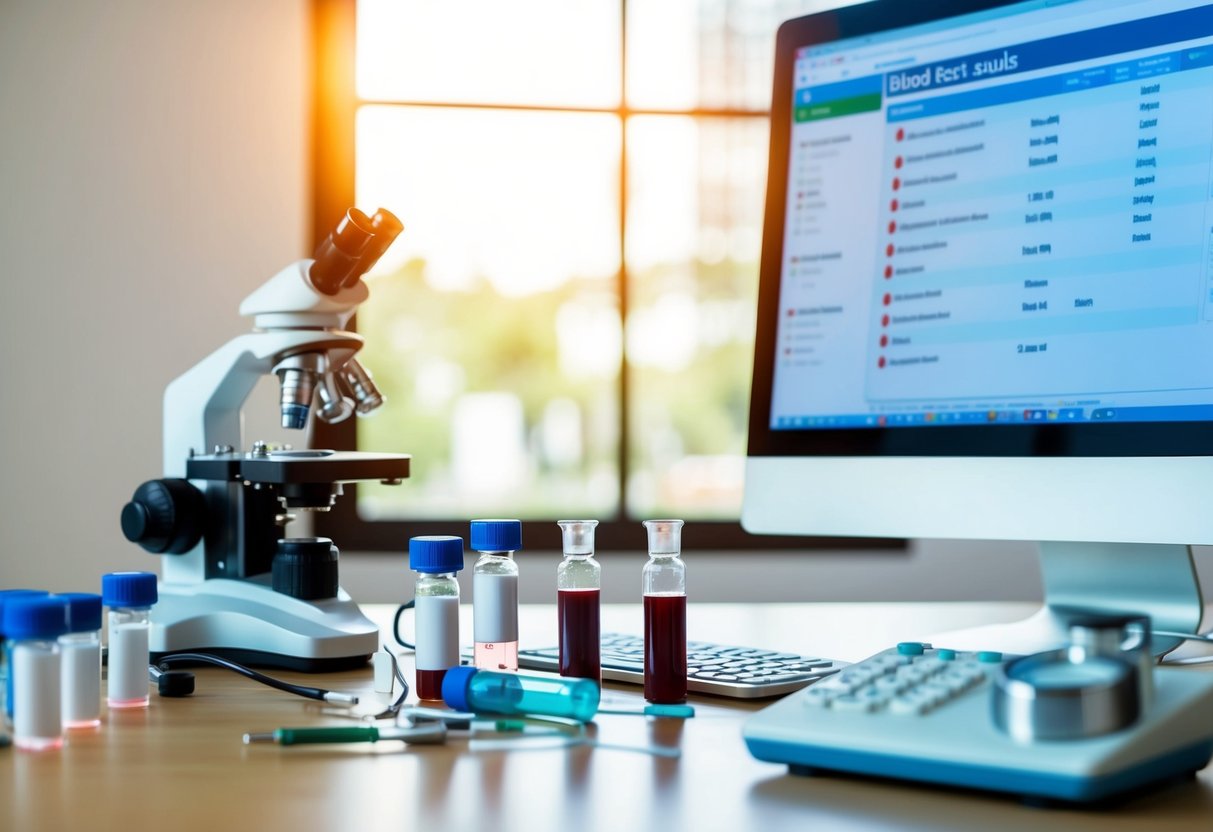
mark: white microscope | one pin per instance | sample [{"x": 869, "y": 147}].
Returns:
[{"x": 233, "y": 583}]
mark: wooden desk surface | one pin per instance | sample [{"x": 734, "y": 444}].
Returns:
[{"x": 181, "y": 764}]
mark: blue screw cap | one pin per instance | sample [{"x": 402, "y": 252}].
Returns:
[
  {"x": 455, "y": 686},
  {"x": 39, "y": 616},
  {"x": 83, "y": 611},
  {"x": 128, "y": 589},
  {"x": 910, "y": 648},
  {"x": 9, "y": 595},
  {"x": 496, "y": 535},
  {"x": 436, "y": 553}
]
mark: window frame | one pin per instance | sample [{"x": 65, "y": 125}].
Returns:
[{"x": 332, "y": 174}]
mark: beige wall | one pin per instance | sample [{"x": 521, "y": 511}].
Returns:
[{"x": 152, "y": 173}]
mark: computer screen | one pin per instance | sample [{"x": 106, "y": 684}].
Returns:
[{"x": 986, "y": 297}]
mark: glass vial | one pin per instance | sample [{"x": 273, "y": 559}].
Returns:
[
  {"x": 578, "y": 593},
  {"x": 664, "y": 583},
  {"x": 436, "y": 559},
  {"x": 495, "y": 594},
  {"x": 486, "y": 692},
  {"x": 80, "y": 653},
  {"x": 33, "y": 626},
  {"x": 130, "y": 597},
  {"x": 6, "y": 678}
]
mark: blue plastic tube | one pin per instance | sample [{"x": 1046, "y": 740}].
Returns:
[{"x": 490, "y": 692}]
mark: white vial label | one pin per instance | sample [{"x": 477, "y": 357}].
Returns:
[
  {"x": 81, "y": 682},
  {"x": 437, "y": 630},
  {"x": 495, "y": 608},
  {"x": 36, "y": 675},
  {"x": 128, "y": 660}
]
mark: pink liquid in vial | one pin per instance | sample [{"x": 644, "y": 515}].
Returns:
[
  {"x": 429, "y": 684},
  {"x": 665, "y": 648},
  {"x": 496, "y": 655},
  {"x": 577, "y": 611}
]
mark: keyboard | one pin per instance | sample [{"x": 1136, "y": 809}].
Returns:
[
  {"x": 914, "y": 712},
  {"x": 718, "y": 669}
]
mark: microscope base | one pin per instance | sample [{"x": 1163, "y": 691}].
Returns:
[{"x": 250, "y": 623}]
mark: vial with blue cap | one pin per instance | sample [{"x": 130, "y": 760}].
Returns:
[
  {"x": 6, "y": 678},
  {"x": 436, "y": 559},
  {"x": 130, "y": 597},
  {"x": 495, "y": 594},
  {"x": 80, "y": 651},
  {"x": 33, "y": 626},
  {"x": 478, "y": 691}
]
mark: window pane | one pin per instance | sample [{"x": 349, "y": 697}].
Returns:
[
  {"x": 719, "y": 54},
  {"x": 493, "y": 324},
  {"x": 546, "y": 52},
  {"x": 694, "y": 231}
]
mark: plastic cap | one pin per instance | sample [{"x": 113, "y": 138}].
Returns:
[
  {"x": 83, "y": 611},
  {"x": 7, "y": 595},
  {"x": 665, "y": 536},
  {"x": 455, "y": 686},
  {"x": 578, "y": 536},
  {"x": 39, "y": 616},
  {"x": 436, "y": 553},
  {"x": 496, "y": 535},
  {"x": 128, "y": 589}
]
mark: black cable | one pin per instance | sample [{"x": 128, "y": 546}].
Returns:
[
  {"x": 396, "y": 625},
  {"x": 299, "y": 690}
]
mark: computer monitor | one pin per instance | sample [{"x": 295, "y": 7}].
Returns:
[{"x": 986, "y": 296}]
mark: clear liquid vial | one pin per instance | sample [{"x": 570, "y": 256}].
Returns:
[
  {"x": 664, "y": 585},
  {"x": 578, "y": 592},
  {"x": 495, "y": 594}
]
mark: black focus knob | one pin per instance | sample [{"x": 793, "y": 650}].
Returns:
[
  {"x": 305, "y": 568},
  {"x": 165, "y": 516}
]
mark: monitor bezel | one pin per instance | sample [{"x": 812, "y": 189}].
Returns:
[{"x": 1114, "y": 439}]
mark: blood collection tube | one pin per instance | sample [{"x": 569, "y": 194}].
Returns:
[
  {"x": 578, "y": 588},
  {"x": 495, "y": 594},
  {"x": 435, "y": 559},
  {"x": 485, "y": 691},
  {"x": 130, "y": 596},
  {"x": 33, "y": 625},
  {"x": 80, "y": 651},
  {"x": 665, "y": 614},
  {"x": 6, "y": 660}
]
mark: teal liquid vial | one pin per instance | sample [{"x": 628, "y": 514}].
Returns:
[{"x": 490, "y": 692}]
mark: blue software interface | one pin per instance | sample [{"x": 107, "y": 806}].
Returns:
[{"x": 1003, "y": 218}]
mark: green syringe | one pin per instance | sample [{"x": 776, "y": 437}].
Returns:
[{"x": 414, "y": 734}]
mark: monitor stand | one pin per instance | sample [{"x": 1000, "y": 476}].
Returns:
[{"x": 1155, "y": 579}]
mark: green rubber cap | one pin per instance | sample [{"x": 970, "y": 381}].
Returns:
[{"x": 910, "y": 648}]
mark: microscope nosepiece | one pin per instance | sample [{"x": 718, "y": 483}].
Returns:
[
  {"x": 294, "y": 416},
  {"x": 296, "y": 389},
  {"x": 358, "y": 381}
]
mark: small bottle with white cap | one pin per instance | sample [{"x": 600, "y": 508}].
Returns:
[
  {"x": 664, "y": 586},
  {"x": 130, "y": 597}
]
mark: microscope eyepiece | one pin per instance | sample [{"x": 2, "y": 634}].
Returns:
[
  {"x": 338, "y": 259},
  {"x": 353, "y": 248},
  {"x": 387, "y": 228}
]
